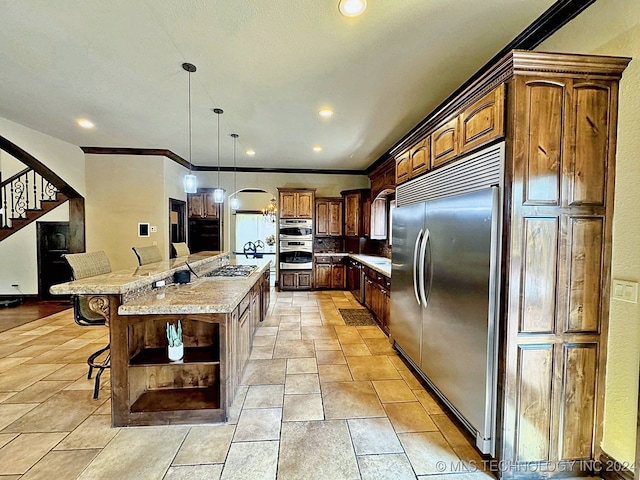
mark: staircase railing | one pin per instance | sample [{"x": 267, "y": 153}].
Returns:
[{"x": 26, "y": 190}]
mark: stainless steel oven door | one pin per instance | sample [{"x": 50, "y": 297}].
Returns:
[
  {"x": 296, "y": 260},
  {"x": 296, "y": 228}
]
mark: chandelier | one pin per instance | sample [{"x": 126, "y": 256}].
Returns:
[{"x": 270, "y": 213}]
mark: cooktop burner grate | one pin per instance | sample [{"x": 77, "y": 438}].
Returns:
[{"x": 233, "y": 271}]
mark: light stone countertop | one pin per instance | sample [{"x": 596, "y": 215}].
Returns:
[
  {"x": 202, "y": 295},
  {"x": 379, "y": 264},
  {"x": 123, "y": 281}
]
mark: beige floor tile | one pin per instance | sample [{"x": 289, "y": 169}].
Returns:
[
  {"x": 322, "y": 345},
  {"x": 287, "y": 325},
  {"x": 265, "y": 353},
  {"x": 264, "y": 396},
  {"x": 63, "y": 412},
  {"x": 411, "y": 379},
  {"x": 67, "y": 465},
  {"x": 260, "y": 331},
  {"x": 379, "y": 346},
  {"x": 21, "y": 376},
  {"x": 105, "y": 408},
  {"x": 94, "y": 432},
  {"x": 6, "y": 349},
  {"x": 334, "y": 373},
  {"x": 428, "y": 402},
  {"x": 194, "y": 472},
  {"x": 429, "y": 452},
  {"x": 350, "y": 400},
  {"x": 236, "y": 408},
  {"x": 298, "y": 408},
  {"x": 258, "y": 424},
  {"x": 38, "y": 392},
  {"x": 71, "y": 372},
  {"x": 476, "y": 476},
  {"x": 373, "y": 436},
  {"x": 318, "y": 450},
  {"x": 376, "y": 367},
  {"x": 270, "y": 321},
  {"x": 26, "y": 450},
  {"x": 348, "y": 335},
  {"x": 302, "y": 365},
  {"x": 10, "y": 362},
  {"x": 371, "y": 332},
  {"x": 304, "y": 383},
  {"x": 451, "y": 432},
  {"x": 472, "y": 459},
  {"x": 6, "y": 438},
  {"x": 264, "y": 341},
  {"x": 311, "y": 322},
  {"x": 251, "y": 461},
  {"x": 136, "y": 453},
  {"x": 9, "y": 413},
  {"x": 333, "y": 320},
  {"x": 318, "y": 333},
  {"x": 205, "y": 444},
  {"x": 355, "y": 350},
  {"x": 289, "y": 335},
  {"x": 386, "y": 467},
  {"x": 330, "y": 357},
  {"x": 4, "y": 396},
  {"x": 293, "y": 348},
  {"x": 409, "y": 417},
  {"x": 264, "y": 372},
  {"x": 391, "y": 391}
]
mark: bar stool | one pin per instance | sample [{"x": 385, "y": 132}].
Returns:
[
  {"x": 181, "y": 249},
  {"x": 84, "y": 265},
  {"x": 147, "y": 255}
]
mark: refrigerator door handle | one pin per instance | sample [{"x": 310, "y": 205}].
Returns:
[
  {"x": 423, "y": 250},
  {"x": 415, "y": 266}
]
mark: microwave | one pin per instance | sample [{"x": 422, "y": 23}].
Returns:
[{"x": 296, "y": 229}]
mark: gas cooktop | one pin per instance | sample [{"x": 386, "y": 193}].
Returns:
[{"x": 232, "y": 271}]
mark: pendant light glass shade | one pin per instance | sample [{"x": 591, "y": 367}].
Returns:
[
  {"x": 190, "y": 181},
  {"x": 235, "y": 203},
  {"x": 218, "y": 193}
]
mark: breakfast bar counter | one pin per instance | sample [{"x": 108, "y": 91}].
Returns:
[{"x": 218, "y": 316}]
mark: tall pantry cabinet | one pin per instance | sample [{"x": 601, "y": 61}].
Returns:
[{"x": 557, "y": 115}]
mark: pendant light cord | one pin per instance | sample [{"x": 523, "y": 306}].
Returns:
[
  {"x": 218, "y": 151},
  {"x": 190, "y": 164}
]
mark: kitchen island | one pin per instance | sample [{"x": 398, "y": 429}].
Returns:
[{"x": 218, "y": 317}]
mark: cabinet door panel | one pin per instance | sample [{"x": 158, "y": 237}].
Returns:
[
  {"x": 483, "y": 121},
  {"x": 323, "y": 275},
  {"x": 287, "y": 280},
  {"x": 322, "y": 218},
  {"x": 304, "y": 280},
  {"x": 335, "y": 219},
  {"x": 444, "y": 141},
  {"x": 305, "y": 205},
  {"x": 420, "y": 157},
  {"x": 352, "y": 214},
  {"x": 287, "y": 205},
  {"x": 591, "y": 107},
  {"x": 403, "y": 169},
  {"x": 338, "y": 277},
  {"x": 196, "y": 207}
]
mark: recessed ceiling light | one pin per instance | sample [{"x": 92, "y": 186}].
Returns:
[
  {"x": 352, "y": 8},
  {"x": 250, "y": 152},
  {"x": 84, "y": 123},
  {"x": 317, "y": 148},
  {"x": 325, "y": 112}
]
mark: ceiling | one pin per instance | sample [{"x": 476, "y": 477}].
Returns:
[{"x": 271, "y": 65}]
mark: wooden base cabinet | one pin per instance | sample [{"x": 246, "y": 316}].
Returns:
[
  {"x": 329, "y": 273},
  {"x": 377, "y": 296},
  {"x": 295, "y": 279},
  {"x": 559, "y": 121}
]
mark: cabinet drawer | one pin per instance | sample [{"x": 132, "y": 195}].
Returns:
[{"x": 322, "y": 259}]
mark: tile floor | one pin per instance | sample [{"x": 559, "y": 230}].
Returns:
[{"x": 319, "y": 400}]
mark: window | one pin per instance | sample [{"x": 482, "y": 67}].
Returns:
[
  {"x": 250, "y": 227},
  {"x": 392, "y": 207}
]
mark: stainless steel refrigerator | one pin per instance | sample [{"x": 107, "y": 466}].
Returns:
[{"x": 446, "y": 239}]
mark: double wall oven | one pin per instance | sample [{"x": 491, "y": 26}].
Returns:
[{"x": 296, "y": 244}]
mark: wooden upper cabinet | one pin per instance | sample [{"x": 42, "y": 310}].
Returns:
[
  {"x": 403, "y": 168},
  {"x": 383, "y": 177},
  {"x": 352, "y": 214},
  {"x": 329, "y": 217},
  {"x": 420, "y": 157},
  {"x": 379, "y": 219},
  {"x": 483, "y": 121},
  {"x": 296, "y": 203},
  {"x": 201, "y": 205},
  {"x": 444, "y": 142}
]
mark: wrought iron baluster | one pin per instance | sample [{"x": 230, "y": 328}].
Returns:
[{"x": 35, "y": 190}]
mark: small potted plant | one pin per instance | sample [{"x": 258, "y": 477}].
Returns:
[
  {"x": 174, "y": 338},
  {"x": 271, "y": 241}
]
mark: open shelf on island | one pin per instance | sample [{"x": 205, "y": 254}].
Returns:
[
  {"x": 158, "y": 356},
  {"x": 166, "y": 400}
]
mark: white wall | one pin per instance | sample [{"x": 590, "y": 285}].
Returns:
[
  {"x": 18, "y": 253},
  {"x": 613, "y": 28}
]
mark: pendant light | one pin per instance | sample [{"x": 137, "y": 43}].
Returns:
[
  {"x": 218, "y": 193},
  {"x": 235, "y": 201},
  {"x": 190, "y": 180}
]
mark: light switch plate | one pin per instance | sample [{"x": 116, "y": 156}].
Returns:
[{"x": 625, "y": 290}]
